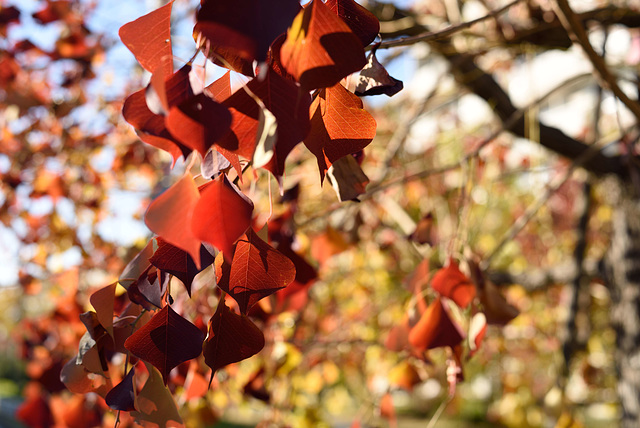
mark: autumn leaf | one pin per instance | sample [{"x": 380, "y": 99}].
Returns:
[
  {"x": 221, "y": 215},
  {"x": 35, "y": 410},
  {"x": 231, "y": 338},
  {"x": 284, "y": 100},
  {"x": 425, "y": 232},
  {"x": 240, "y": 31},
  {"x": 375, "y": 80},
  {"x": 198, "y": 122},
  {"x": 149, "y": 39},
  {"x": 177, "y": 262},
  {"x": 347, "y": 178},
  {"x": 103, "y": 303},
  {"x": 155, "y": 403},
  {"x": 495, "y": 307},
  {"x": 257, "y": 270},
  {"x": 166, "y": 341},
  {"x": 122, "y": 396},
  {"x": 435, "y": 328},
  {"x": 149, "y": 289},
  {"x": 340, "y": 126},
  {"x": 151, "y": 127},
  {"x": 320, "y": 49},
  {"x": 363, "y": 23},
  {"x": 450, "y": 282},
  {"x": 53, "y": 11},
  {"x": 138, "y": 265},
  {"x": 79, "y": 380},
  {"x": 170, "y": 215}
]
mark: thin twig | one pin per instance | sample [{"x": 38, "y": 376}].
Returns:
[
  {"x": 579, "y": 36},
  {"x": 436, "y": 35}
]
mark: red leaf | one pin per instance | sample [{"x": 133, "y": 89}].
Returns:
[
  {"x": 283, "y": 99},
  {"x": 122, "y": 396},
  {"x": 320, "y": 49},
  {"x": 435, "y": 328},
  {"x": 231, "y": 338},
  {"x": 241, "y": 31},
  {"x": 53, "y": 11},
  {"x": 149, "y": 39},
  {"x": 257, "y": 271},
  {"x": 453, "y": 284},
  {"x": 103, "y": 302},
  {"x": 340, "y": 126},
  {"x": 166, "y": 341},
  {"x": 363, "y": 23},
  {"x": 221, "y": 215},
  {"x": 35, "y": 411},
  {"x": 198, "y": 122},
  {"x": 179, "y": 263},
  {"x": 220, "y": 89},
  {"x": 170, "y": 215},
  {"x": 150, "y": 126}
]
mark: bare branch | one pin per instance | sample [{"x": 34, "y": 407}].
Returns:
[
  {"x": 430, "y": 36},
  {"x": 579, "y": 36}
]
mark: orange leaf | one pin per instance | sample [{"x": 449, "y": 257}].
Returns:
[
  {"x": 435, "y": 328},
  {"x": 221, "y": 215},
  {"x": 151, "y": 126},
  {"x": 170, "y": 215},
  {"x": 340, "y": 126},
  {"x": 320, "y": 48},
  {"x": 257, "y": 270},
  {"x": 453, "y": 284},
  {"x": 363, "y": 23},
  {"x": 103, "y": 302},
  {"x": 149, "y": 39}
]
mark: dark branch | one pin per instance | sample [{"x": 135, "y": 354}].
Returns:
[{"x": 485, "y": 86}]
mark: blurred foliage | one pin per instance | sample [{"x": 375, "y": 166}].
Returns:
[{"x": 325, "y": 364}]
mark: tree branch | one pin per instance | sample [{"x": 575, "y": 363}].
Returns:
[
  {"x": 579, "y": 36},
  {"x": 429, "y": 36}
]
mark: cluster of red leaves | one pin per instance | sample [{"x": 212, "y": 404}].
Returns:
[
  {"x": 437, "y": 325},
  {"x": 294, "y": 94}
]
